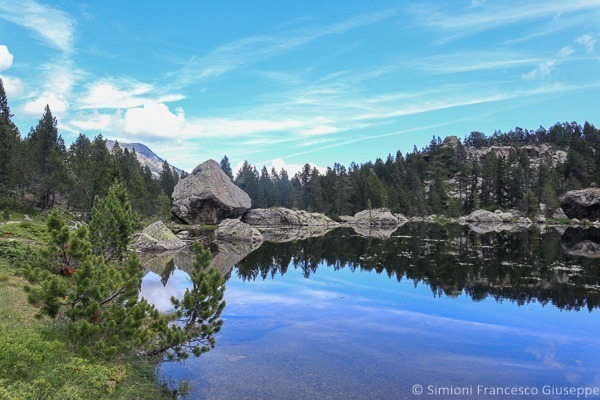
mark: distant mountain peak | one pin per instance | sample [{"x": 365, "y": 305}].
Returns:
[{"x": 145, "y": 156}]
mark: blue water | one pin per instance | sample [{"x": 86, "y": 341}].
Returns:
[{"x": 344, "y": 333}]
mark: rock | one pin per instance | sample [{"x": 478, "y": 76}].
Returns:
[
  {"x": 234, "y": 230},
  {"x": 183, "y": 235},
  {"x": 430, "y": 219},
  {"x": 498, "y": 211},
  {"x": 559, "y": 214},
  {"x": 346, "y": 218},
  {"x": 575, "y": 221},
  {"x": 26, "y": 217},
  {"x": 208, "y": 196},
  {"x": 157, "y": 237},
  {"x": 540, "y": 219},
  {"x": 401, "y": 218},
  {"x": 506, "y": 216},
  {"x": 524, "y": 221},
  {"x": 279, "y": 216},
  {"x": 376, "y": 217},
  {"x": 543, "y": 208},
  {"x": 515, "y": 213},
  {"x": 483, "y": 216},
  {"x": 584, "y": 203}
]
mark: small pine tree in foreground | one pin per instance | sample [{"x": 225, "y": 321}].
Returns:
[{"x": 97, "y": 297}]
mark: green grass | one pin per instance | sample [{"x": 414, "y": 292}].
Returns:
[{"x": 37, "y": 360}]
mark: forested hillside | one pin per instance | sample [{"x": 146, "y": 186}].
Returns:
[
  {"x": 518, "y": 169},
  {"x": 39, "y": 171}
]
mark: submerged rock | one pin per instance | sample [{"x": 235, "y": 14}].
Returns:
[
  {"x": 157, "y": 237},
  {"x": 234, "y": 230},
  {"x": 208, "y": 196},
  {"x": 280, "y": 216},
  {"x": 584, "y": 203}
]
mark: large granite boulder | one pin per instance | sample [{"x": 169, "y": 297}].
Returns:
[
  {"x": 584, "y": 203},
  {"x": 279, "y": 216},
  {"x": 234, "y": 230},
  {"x": 484, "y": 216},
  {"x": 157, "y": 237},
  {"x": 376, "y": 217},
  {"x": 208, "y": 196}
]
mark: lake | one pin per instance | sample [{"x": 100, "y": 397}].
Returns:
[{"x": 429, "y": 312}]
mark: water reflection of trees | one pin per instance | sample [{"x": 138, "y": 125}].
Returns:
[{"x": 521, "y": 266}]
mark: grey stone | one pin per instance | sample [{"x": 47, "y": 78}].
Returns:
[
  {"x": 234, "y": 230},
  {"x": 157, "y": 237},
  {"x": 376, "y": 217},
  {"x": 208, "y": 196},
  {"x": 559, "y": 214},
  {"x": 484, "y": 216},
  {"x": 279, "y": 216},
  {"x": 583, "y": 203}
]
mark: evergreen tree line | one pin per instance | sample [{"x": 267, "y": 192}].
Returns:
[
  {"x": 441, "y": 178},
  {"x": 40, "y": 171},
  {"x": 446, "y": 177}
]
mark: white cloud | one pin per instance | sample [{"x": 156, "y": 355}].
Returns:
[
  {"x": 121, "y": 93},
  {"x": 587, "y": 41},
  {"x": 52, "y": 26},
  {"x": 544, "y": 70},
  {"x": 155, "y": 120},
  {"x": 12, "y": 86},
  {"x": 93, "y": 122},
  {"x": 6, "y": 58},
  {"x": 566, "y": 51},
  {"x": 36, "y": 106}
]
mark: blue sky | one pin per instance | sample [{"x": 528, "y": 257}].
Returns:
[{"x": 286, "y": 83}]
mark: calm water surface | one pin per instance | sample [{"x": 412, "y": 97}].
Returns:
[{"x": 351, "y": 317}]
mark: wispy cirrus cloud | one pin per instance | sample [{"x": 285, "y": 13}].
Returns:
[
  {"x": 496, "y": 14},
  {"x": 53, "y": 27},
  {"x": 247, "y": 51},
  {"x": 588, "y": 42}
]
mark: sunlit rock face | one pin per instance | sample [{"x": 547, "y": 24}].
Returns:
[
  {"x": 234, "y": 230},
  {"x": 484, "y": 216},
  {"x": 208, "y": 196},
  {"x": 280, "y": 216},
  {"x": 584, "y": 203},
  {"x": 157, "y": 237}
]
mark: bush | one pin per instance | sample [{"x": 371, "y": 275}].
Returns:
[{"x": 6, "y": 214}]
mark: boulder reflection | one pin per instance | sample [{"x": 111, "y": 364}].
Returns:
[{"x": 520, "y": 265}]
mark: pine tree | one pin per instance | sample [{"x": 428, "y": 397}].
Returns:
[
  {"x": 98, "y": 300},
  {"x": 112, "y": 223},
  {"x": 46, "y": 158},
  {"x": 9, "y": 140},
  {"x": 167, "y": 179},
  {"x": 226, "y": 167}
]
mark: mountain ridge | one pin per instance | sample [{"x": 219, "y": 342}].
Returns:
[{"x": 145, "y": 156}]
